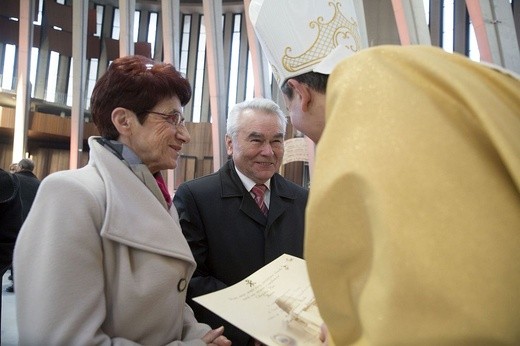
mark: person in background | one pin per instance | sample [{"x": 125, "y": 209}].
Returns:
[
  {"x": 13, "y": 167},
  {"x": 29, "y": 184},
  {"x": 412, "y": 225},
  {"x": 231, "y": 232},
  {"x": 101, "y": 258},
  {"x": 10, "y": 221}
]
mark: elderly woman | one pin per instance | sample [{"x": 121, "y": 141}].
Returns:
[{"x": 101, "y": 258}]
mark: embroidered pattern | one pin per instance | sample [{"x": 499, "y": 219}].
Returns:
[{"x": 338, "y": 31}]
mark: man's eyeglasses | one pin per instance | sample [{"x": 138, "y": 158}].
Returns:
[{"x": 174, "y": 119}]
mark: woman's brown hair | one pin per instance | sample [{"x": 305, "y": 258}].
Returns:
[{"x": 136, "y": 83}]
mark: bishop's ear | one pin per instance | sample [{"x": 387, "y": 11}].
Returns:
[{"x": 302, "y": 92}]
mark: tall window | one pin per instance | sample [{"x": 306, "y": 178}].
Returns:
[
  {"x": 137, "y": 16},
  {"x": 35, "y": 52},
  {"x": 115, "y": 25},
  {"x": 199, "y": 74},
  {"x": 7, "y": 78},
  {"x": 38, "y": 20},
  {"x": 185, "y": 44},
  {"x": 473, "y": 50},
  {"x": 250, "y": 81},
  {"x": 99, "y": 19},
  {"x": 92, "y": 77},
  {"x": 8, "y": 71},
  {"x": 69, "y": 83},
  {"x": 52, "y": 77},
  {"x": 447, "y": 26},
  {"x": 152, "y": 31},
  {"x": 235, "y": 51},
  {"x": 34, "y": 65},
  {"x": 426, "y": 4}
]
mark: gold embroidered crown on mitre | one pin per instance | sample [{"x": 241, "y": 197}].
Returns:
[{"x": 300, "y": 36}]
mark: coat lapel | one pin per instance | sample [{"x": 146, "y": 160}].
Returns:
[
  {"x": 282, "y": 198},
  {"x": 232, "y": 187},
  {"x": 126, "y": 198}
]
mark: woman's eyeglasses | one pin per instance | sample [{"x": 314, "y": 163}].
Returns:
[{"x": 174, "y": 119}]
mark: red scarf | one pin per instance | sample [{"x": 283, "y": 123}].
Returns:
[{"x": 164, "y": 189}]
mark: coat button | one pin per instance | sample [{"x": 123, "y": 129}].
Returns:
[{"x": 181, "y": 285}]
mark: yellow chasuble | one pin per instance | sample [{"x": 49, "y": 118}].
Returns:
[{"x": 413, "y": 219}]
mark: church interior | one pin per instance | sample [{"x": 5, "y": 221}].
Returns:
[{"x": 53, "y": 51}]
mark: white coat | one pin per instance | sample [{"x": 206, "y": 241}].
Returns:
[{"x": 101, "y": 261}]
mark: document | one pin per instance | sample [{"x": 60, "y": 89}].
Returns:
[{"x": 275, "y": 305}]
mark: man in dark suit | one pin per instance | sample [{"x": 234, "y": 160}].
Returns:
[
  {"x": 224, "y": 222},
  {"x": 29, "y": 184},
  {"x": 10, "y": 220}
]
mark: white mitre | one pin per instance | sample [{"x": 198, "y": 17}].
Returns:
[{"x": 300, "y": 36}]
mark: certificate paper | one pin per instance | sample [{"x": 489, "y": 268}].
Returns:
[{"x": 275, "y": 305}]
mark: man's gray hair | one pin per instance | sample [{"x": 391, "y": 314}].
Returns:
[
  {"x": 26, "y": 165},
  {"x": 261, "y": 104}
]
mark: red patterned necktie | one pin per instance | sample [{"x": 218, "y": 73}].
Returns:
[{"x": 259, "y": 191}]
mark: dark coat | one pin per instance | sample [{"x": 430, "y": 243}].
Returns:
[
  {"x": 10, "y": 217},
  {"x": 29, "y": 184},
  {"x": 230, "y": 237}
]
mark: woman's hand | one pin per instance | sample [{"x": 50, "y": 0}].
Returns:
[
  {"x": 215, "y": 338},
  {"x": 323, "y": 334}
]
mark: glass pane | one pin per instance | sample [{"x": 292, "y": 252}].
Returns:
[
  {"x": 233, "y": 73},
  {"x": 99, "y": 19},
  {"x": 92, "y": 76},
  {"x": 34, "y": 66},
  {"x": 8, "y": 72},
  {"x": 185, "y": 44},
  {"x": 137, "y": 16},
  {"x": 52, "y": 77},
  {"x": 115, "y": 25},
  {"x": 199, "y": 74},
  {"x": 152, "y": 31},
  {"x": 447, "y": 26},
  {"x": 473, "y": 52},
  {"x": 426, "y": 4},
  {"x": 69, "y": 86},
  {"x": 250, "y": 83},
  {"x": 38, "y": 20}
]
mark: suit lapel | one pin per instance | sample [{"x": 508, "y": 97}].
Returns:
[
  {"x": 232, "y": 187},
  {"x": 280, "y": 194}
]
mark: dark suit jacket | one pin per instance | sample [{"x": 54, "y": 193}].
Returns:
[
  {"x": 230, "y": 237},
  {"x": 10, "y": 217},
  {"x": 29, "y": 184}
]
